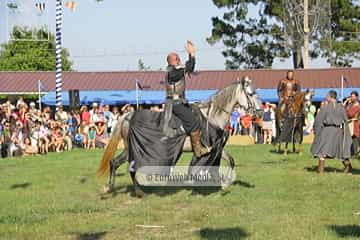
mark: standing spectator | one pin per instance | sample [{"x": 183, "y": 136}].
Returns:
[
  {"x": 267, "y": 124},
  {"x": 310, "y": 119},
  {"x": 352, "y": 107},
  {"x": 234, "y": 120},
  {"x": 107, "y": 116},
  {"x": 114, "y": 117},
  {"x": 72, "y": 125},
  {"x": 246, "y": 121},
  {"x": 94, "y": 117},
  {"x": 127, "y": 108},
  {"x": 91, "y": 137},
  {"x": 85, "y": 114},
  {"x": 20, "y": 102},
  {"x": 84, "y": 131}
]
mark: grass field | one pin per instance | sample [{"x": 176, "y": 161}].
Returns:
[{"x": 57, "y": 197}]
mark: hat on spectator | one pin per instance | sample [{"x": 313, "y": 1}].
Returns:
[
  {"x": 94, "y": 104},
  {"x": 101, "y": 120},
  {"x": 32, "y": 104}
]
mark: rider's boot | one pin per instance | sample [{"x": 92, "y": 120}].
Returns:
[
  {"x": 321, "y": 166},
  {"x": 198, "y": 149},
  {"x": 347, "y": 166}
]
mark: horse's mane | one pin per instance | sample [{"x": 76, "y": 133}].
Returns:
[
  {"x": 223, "y": 97},
  {"x": 298, "y": 103}
]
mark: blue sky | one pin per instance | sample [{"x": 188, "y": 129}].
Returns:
[{"x": 125, "y": 31}]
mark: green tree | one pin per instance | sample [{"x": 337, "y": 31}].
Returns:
[
  {"x": 255, "y": 42},
  {"x": 142, "y": 66},
  {"x": 23, "y": 54}
]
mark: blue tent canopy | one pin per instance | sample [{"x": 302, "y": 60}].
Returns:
[
  {"x": 270, "y": 95},
  {"x": 121, "y": 97}
]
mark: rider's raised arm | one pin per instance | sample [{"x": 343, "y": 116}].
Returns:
[{"x": 190, "y": 64}]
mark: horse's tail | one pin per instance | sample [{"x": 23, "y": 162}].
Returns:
[{"x": 110, "y": 150}]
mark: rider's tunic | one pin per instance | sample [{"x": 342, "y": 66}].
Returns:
[
  {"x": 332, "y": 136},
  {"x": 175, "y": 90},
  {"x": 288, "y": 88}
]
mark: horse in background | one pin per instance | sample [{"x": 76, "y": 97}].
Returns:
[{"x": 290, "y": 122}]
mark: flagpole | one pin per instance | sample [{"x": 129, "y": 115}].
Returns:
[
  {"x": 342, "y": 88},
  {"x": 137, "y": 95},
  {"x": 39, "y": 88}
]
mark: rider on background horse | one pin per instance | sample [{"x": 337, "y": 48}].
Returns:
[
  {"x": 175, "y": 92},
  {"x": 287, "y": 89}
]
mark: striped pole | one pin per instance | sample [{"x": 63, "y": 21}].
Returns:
[{"x": 58, "y": 69}]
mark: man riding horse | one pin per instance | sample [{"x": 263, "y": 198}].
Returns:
[
  {"x": 287, "y": 89},
  {"x": 175, "y": 93}
]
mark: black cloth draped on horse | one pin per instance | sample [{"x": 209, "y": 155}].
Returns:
[
  {"x": 149, "y": 146},
  {"x": 288, "y": 129}
]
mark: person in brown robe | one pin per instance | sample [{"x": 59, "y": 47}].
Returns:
[{"x": 332, "y": 136}]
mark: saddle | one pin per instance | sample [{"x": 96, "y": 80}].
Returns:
[{"x": 172, "y": 126}]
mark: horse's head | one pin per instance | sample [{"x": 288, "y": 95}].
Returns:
[{"x": 247, "y": 97}]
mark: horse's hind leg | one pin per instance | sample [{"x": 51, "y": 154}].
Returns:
[
  {"x": 294, "y": 147},
  {"x": 286, "y": 149},
  {"x": 114, "y": 165},
  {"x": 231, "y": 163},
  {"x": 300, "y": 149},
  {"x": 137, "y": 188},
  {"x": 225, "y": 155}
]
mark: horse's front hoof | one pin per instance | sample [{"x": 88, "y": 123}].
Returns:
[
  {"x": 300, "y": 153},
  {"x": 139, "y": 193},
  {"x": 107, "y": 189}
]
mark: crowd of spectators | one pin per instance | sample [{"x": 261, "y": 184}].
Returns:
[
  {"x": 263, "y": 130},
  {"x": 27, "y": 130}
]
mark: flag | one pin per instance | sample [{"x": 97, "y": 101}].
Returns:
[
  {"x": 40, "y": 6},
  {"x": 71, "y": 5},
  {"x": 41, "y": 86},
  {"x": 138, "y": 85},
  {"x": 344, "y": 79}
]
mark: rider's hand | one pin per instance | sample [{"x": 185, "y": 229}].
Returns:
[{"x": 189, "y": 47}]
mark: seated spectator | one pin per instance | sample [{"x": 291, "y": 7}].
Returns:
[
  {"x": 43, "y": 139},
  {"x": 59, "y": 139},
  {"x": 101, "y": 137},
  {"x": 28, "y": 148},
  {"x": 61, "y": 115}
]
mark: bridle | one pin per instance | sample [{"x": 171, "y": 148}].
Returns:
[{"x": 246, "y": 84}]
